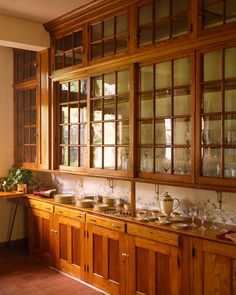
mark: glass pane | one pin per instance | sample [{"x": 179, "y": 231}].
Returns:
[
  {"x": 146, "y": 105},
  {"x": 78, "y": 39},
  {"x": 123, "y": 108},
  {"x": 179, "y": 6},
  {"x": 74, "y": 88},
  {"x": 213, "y": 15},
  {"x": 109, "y": 133},
  {"x": 182, "y": 131},
  {"x": 96, "y": 155},
  {"x": 108, "y": 27},
  {"x": 109, "y": 158},
  {"x": 83, "y": 89},
  {"x": 121, "y": 44},
  {"x": 211, "y": 130},
  {"x": 162, "y": 9},
  {"x": 182, "y": 101},
  {"x": 33, "y": 116},
  {"x": 97, "y": 32},
  {"x": 182, "y": 162},
  {"x": 146, "y": 157},
  {"x": 163, "y": 160},
  {"x": 122, "y": 133},
  {"x": 27, "y": 154},
  {"x": 180, "y": 25},
  {"x": 163, "y": 75},
  {"x": 64, "y": 92},
  {"x": 230, "y": 163},
  {"x": 64, "y": 156},
  {"x": 74, "y": 134},
  {"x": 26, "y": 135},
  {"x": 145, "y": 35},
  {"x": 59, "y": 62},
  {"x": 212, "y": 98},
  {"x": 230, "y": 11},
  {"x": 27, "y": 117},
  {"x": 33, "y": 154},
  {"x": 83, "y": 112},
  {"x": 68, "y": 42},
  {"x": 162, "y": 30},
  {"x": 212, "y": 66},
  {"x": 59, "y": 45},
  {"x": 33, "y": 97},
  {"x": 108, "y": 47},
  {"x": 163, "y": 103},
  {"x": 163, "y": 131},
  {"x": 97, "y": 86},
  {"x": 68, "y": 59},
  {"x": 146, "y": 132},
  {"x": 64, "y": 114},
  {"x": 109, "y": 109},
  {"x": 230, "y": 60},
  {"x": 74, "y": 113},
  {"x": 96, "y": 50},
  {"x": 110, "y": 84},
  {"x": 121, "y": 23},
  {"x": 83, "y": 156},
  {"x": 182, "y": 71},
  {"x": 96, "y": 133},
  {"x": 146, "y": 78},
  {"x": 64, "y": 134},
  {"x": 96, "y": 110},
  {"x": 123, "y": 158},
  {"x": 230, "y": 129},
  {"x": 33, "y": 135},
  {"x": 74, "y": 156},
  {"x": 230, "y": 96},
  {"x": 145, "y": 14},
  {"x": 83, "y": 134},
  {"x": 211, "y": 162},
  {"x": 123, "y": 82}
]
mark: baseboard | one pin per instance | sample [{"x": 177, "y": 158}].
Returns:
[{"x": 20, "y": 243}]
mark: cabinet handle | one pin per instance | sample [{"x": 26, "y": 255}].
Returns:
[
  {"x": 59, "y": 211},
  {"x": 79, "y": 216},
  {"x": 47, "y": 208},
  {"x": 116, "y": 225},
  {"x": 93, "y": 220},
  {"x": 55, "y": 232},
  {"x": 124, "y": 255}
]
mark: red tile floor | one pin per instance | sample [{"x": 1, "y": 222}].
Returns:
[{"x": 21, "y": 275}]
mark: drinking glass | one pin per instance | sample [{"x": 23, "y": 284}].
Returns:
[
  {"x": 193, "y": 214},
  {"x": 202, "y": 214},
  {"x": 223, "y": 218},
  {"x": 212, "y": 215}
]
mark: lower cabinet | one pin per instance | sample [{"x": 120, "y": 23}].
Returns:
[{"x": 214, "y": 268}]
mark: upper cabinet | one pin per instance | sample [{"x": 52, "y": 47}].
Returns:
[{"x": 217, "y": 116}]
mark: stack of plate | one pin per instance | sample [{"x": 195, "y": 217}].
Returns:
[
  {"x": 64, "y": 198},
  {"x": 84, "y": 203},
  {"x": 108, "y": 201},
  {"x": 101, "y": 207}
]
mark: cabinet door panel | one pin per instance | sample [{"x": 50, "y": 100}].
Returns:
[
  {"x": 70, "y": 245},
  {"x": 151, "y": 265},
  {"x": 104, "y": 252}
]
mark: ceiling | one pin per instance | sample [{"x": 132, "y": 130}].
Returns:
[{"x": 41, "y": 11}]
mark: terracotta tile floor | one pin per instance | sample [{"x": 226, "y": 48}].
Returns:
[{"x": 20, "y": 275}]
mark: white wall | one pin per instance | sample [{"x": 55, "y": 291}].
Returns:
[{"x": 6, "y": 140}]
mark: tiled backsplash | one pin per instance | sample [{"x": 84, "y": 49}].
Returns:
[{"x": 145, "y": 193}]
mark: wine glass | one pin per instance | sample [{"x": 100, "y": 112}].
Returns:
[
  {"x": 212, "y": 215},
  {"x": 202, "y": 214},
  {"x": 223, "y": 218},
  {"x": 193, "y": 214}
]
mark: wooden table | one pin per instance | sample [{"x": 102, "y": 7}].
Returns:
[{"x": 11, "y": 195}]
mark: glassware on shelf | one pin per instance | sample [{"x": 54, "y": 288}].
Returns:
[
  {"x": 212, "y": 214},
  {"x": 193, "y": 213},
  {"x": 224, "y": 218},
  {"x": 202, "y": 214}
]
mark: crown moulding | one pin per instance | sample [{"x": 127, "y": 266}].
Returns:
[{"x": 85, "y": 14}]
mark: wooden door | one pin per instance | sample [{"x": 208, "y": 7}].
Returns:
[
  {"x": 40, "y": 225},
  {"x": 152, "y": 268},
  {"x": 69, "y": 235},
  {"x": 214, "y": 268},
  {"x": 106, "y": 269}
]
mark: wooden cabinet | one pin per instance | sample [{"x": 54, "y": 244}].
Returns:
[
  {"x": 153, "y": 261},
  {"x": 40, "y": 224},
  {"x": 69, "y": 241},
  {"x": 105, "y": 251},
  {"x": 212, "y": 268}
]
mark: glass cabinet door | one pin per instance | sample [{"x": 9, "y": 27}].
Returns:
[
  {"x": 218, "y": 114},
  {"x": 109, "y": 121},
  {"x": 72, "y": 98},
  {"x": 162, "y": 20},
  {"x": 165, "y": 118}
]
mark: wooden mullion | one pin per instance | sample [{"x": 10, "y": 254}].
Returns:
[
  {"x": 223, "y": 113},
  {"x": 172, "y": 117}
]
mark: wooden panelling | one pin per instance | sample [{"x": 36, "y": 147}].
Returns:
[
  {"x": 41, "y": 205},
  {"x": 70, "y": 213},
  {"x": 106, "y": 223}
]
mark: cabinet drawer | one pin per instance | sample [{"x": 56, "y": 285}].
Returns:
[
  {"x": 107, "y": 223},
  {"x": 153, "y": 234},
  {"x": 41, "y": 205},
  {"x": 70, "y": 213}
]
